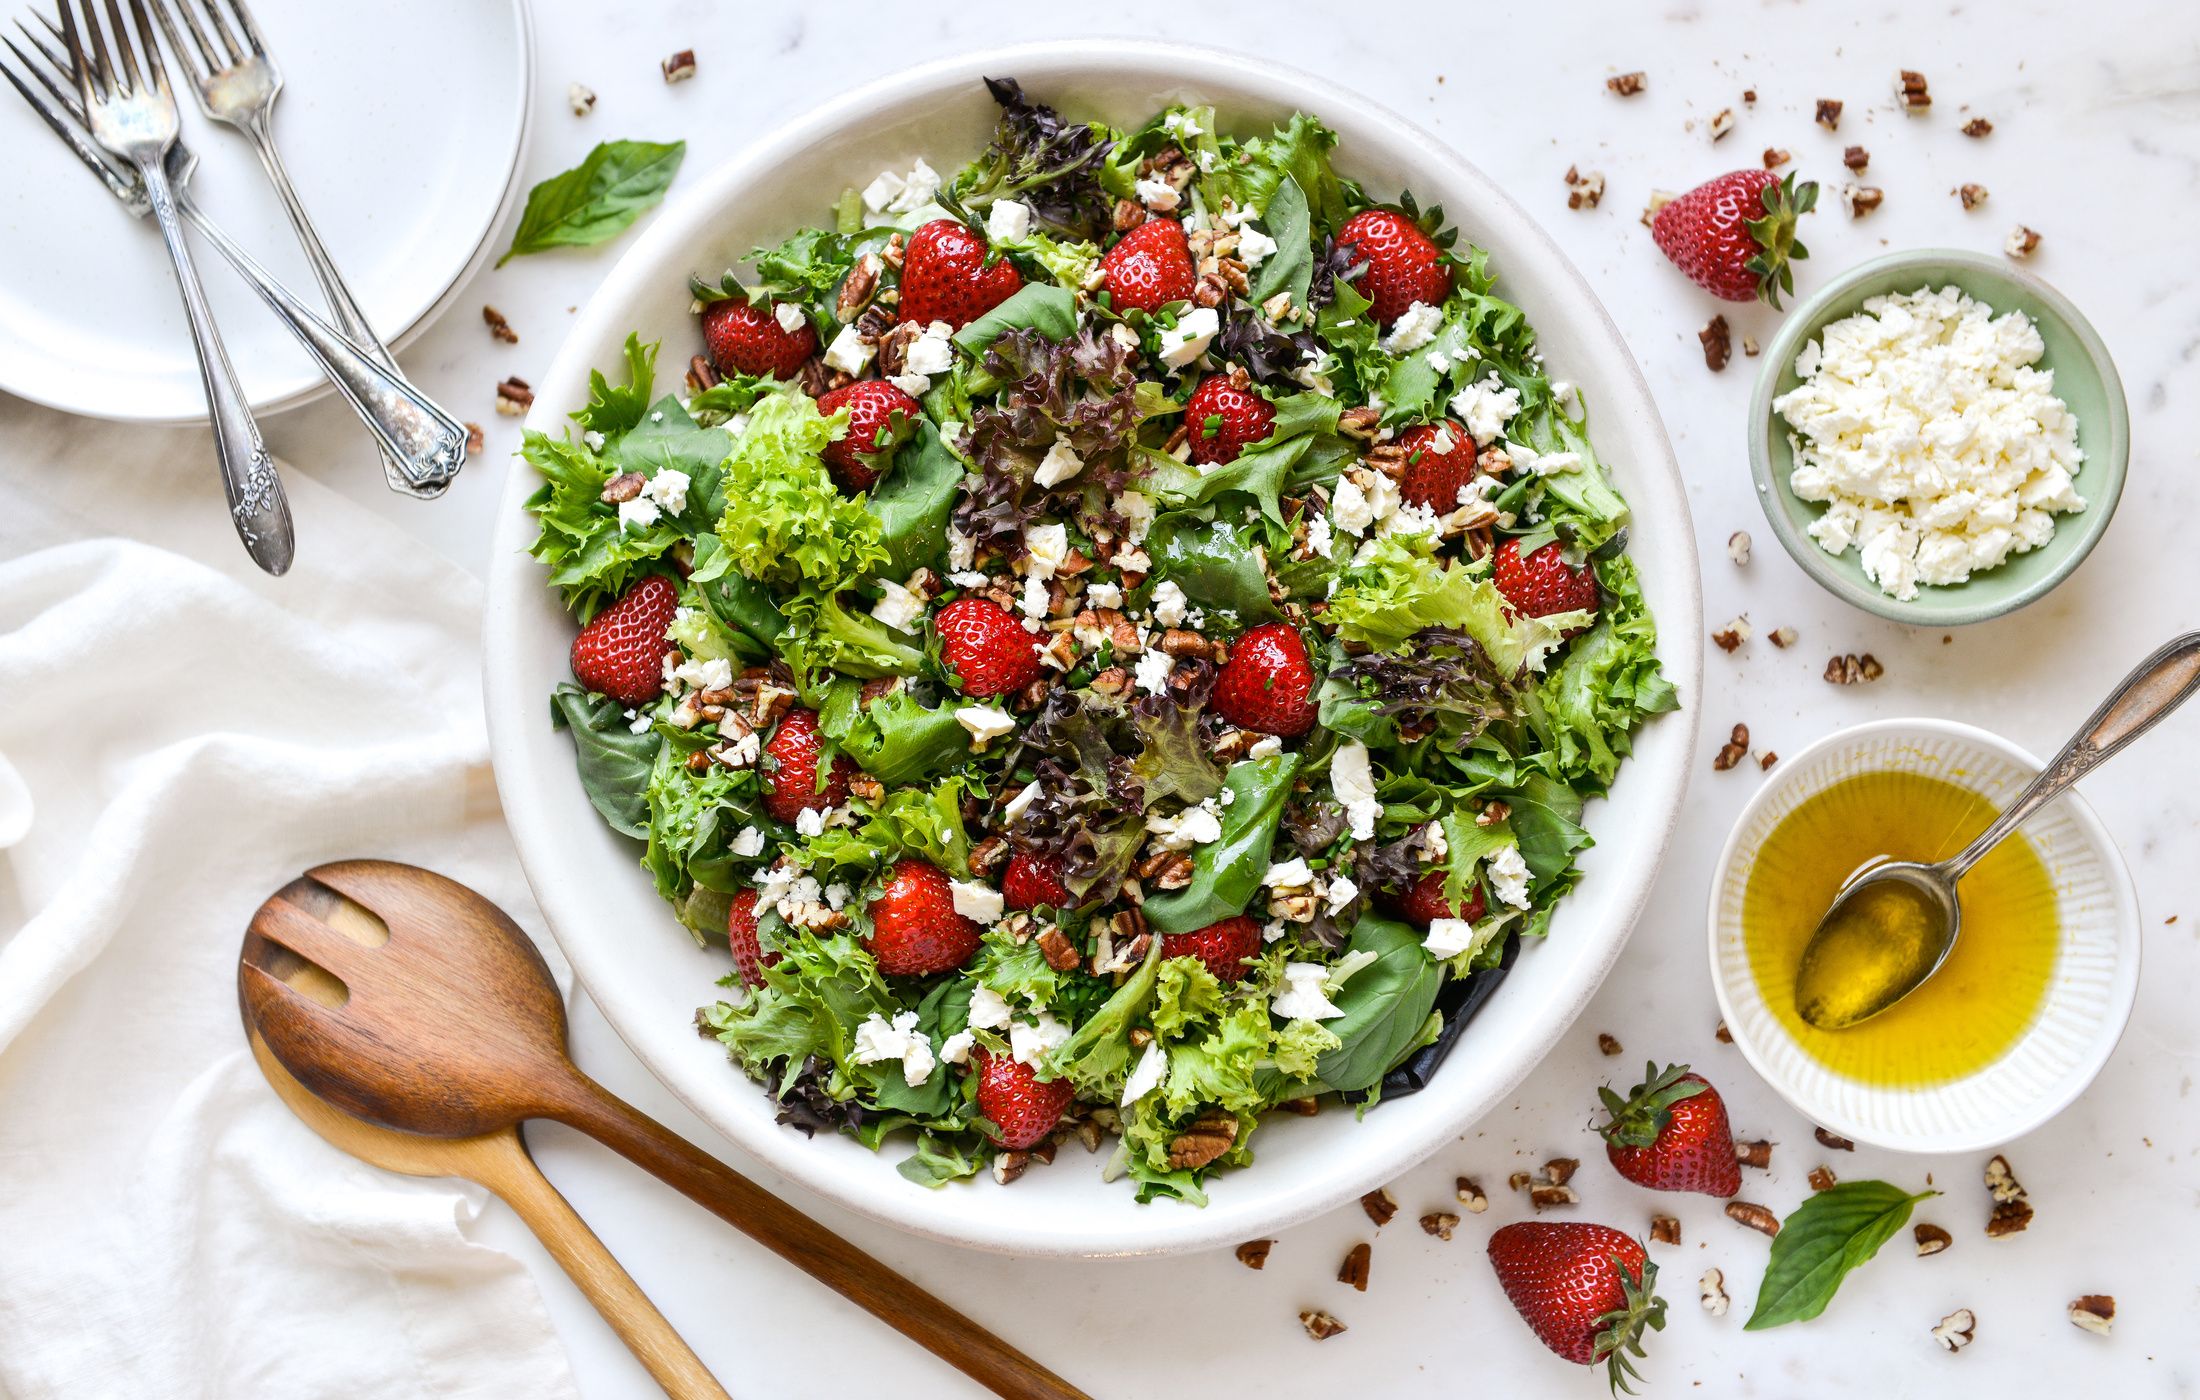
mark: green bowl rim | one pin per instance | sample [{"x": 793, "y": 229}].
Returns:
[{"x": 1805, "y": 321}]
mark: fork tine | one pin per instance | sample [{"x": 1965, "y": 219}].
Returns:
[
  {"x": 81, "y": 71},
  {"x": 97, "y": 57},
  {"x": 221, "y": 28},
  {"x": 132, "y": 81},
  {"x": 64, "y": 96},
  {"x": 58, "y": 58},
  {"x": 156, "y": 72},
  {"x": 197, "y": 66},
  {"x": 251, "y": 30}
]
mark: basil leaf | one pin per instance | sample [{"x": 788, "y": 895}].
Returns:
[
  {"x": 1226, "y": 872},
  {"x": 915, "y": 500},
  {"x": 1291, "y": 267},
  {"x": 1827, "y": 1236},
  {"x": 597, "y": 199},
  {"x": 1386, "y": 1005},
  {"x": 1213, "y": 563},
  {"x": 1052, "y": 311},
  {"x": 614, "y": 761}
]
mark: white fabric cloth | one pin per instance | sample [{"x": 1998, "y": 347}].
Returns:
[{"x": 193, "y": 735}]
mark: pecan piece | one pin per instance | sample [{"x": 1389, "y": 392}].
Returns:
[
  {"x": 1931, "y": 1239},
  {"x": 2021, "y": 242},
  {"x": 1972, "y": 196},
  {"x": 1320, "y": 1325},
  {"x": 1954, "y": 1332},
  {"x": 1665, "y": 1229},
  {"x": 1910, "y": 91},
  {"x": 855, "y": 294},
  {"x": 1821, "y": 1178},
  {"x": 2095, "y": 1312},
  {"x": 514, "y": 398},
  {"x": 1856, "y": 158},
  {"x": 623, "y": 487},
  {"x": 679, "y": 67},
  {"x": 476, "y": 439},
  {"x": 1380, "y": 1205},
  {"x": 1470, "y": 1194},
  {"x": 1440, "y": 1223},
  {"x": 1829, "y": 113},
  {"x": 1607, "y": 1043},
  {"x": 1354, "y": 1270},
  {"x": 1756, "y": 1217},
  {"x": 1253, "y": 1254},
  {"x": 1210, "y": 1135},
  {"x": 1626, "y": 84},
  {"x": 499, "y": 328},
  {"x": 1718, "y": 344},
  {"x": 1060, "y": 953},
  {"x": 1754, "y": 1154},
  {"x": 1734, "y": 751}
]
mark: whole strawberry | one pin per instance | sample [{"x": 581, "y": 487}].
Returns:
[
  {"x": 1222, "y": 418},
  {"x": 1440, "y": 461},
  {"x": 1022, "y": 1108},
  {"x": 1268, "y": 684},
  {"x": 1735, "y": 236},
  {"x": 985, "y": 647},
  {"x": 1587, "y": 1291},
  {"x": 747, "y": 337},
  {"x": 1223, "y": 946},
  {"x": 1404, "y": 265},
  {"x": 944, "y": 276},
  {"x": 749, "y": 957},
  {"x": 1671, "y": 1134},
  {"x": 1542, "y": 583},
  {"x": 1030, "y": 881},
  {"x": 880, "y": 419},
  {"x": 915, "y": 930},
  {"x": 621, "y": 652},
  {"x": 1150, "y": 267},
  {"x": 790, "y": 769},
  {"x": 1424, "y": 904}
]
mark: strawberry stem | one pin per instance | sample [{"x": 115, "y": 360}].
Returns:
[
  {"x": 1775, "y": 236},
  {"x": 1619, "y": 1338},
  {"x": 1638, "y": 1119}
]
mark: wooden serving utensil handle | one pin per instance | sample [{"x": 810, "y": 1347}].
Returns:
[
  {"x": 581, "y": 1103},
  {"x": 520, "y": 1184}
]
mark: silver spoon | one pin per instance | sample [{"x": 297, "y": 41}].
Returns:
[{"x": 1892, "y": 926}]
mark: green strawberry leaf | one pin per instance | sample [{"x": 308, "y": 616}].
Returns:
[{"x": 1827, "y": 1236}]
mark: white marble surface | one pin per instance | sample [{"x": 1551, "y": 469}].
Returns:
[{"x": 2096, "y": 144}]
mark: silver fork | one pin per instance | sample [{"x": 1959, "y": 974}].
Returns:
[
  {"x": 133, "y": 115},
  {"x": 407, "y": 425},
  {"x": 238, "y": 85}
]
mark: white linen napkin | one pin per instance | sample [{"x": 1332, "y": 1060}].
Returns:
[{"x": 194, "y": 734}]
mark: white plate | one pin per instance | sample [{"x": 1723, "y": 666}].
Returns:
[
  {"x": 403, "y": 124},
  {"x": 649, "y": 977},
  {"x": 2088, "y": 999}
]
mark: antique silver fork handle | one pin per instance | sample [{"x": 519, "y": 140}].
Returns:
[
  {"x": 419, "y": 456},
  {"x": 257, "y": 506},
  {"x": 422, "y": 445}
]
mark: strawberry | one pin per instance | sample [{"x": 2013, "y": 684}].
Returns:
[
  {"x": 1587, "y": 1291},
  {"x": 1424, "y": 904},
  {"x": 1031, "y": 881},
  {"x": 745, "y": 337},
  {"x": 1021, "y": 1108},
  {"x": 1440, "y": 461},
  {"x": 915, "y": 930},
  {"x": 1223, "y": 946},
  {"x": 944, "y": 276},
  {"x": 1671, "y": 1134},
  {"x": 1735, "y": 236},
  {"x": 790, "y": 773},
  {"x": 1149, "y": 267},
  {"x": 749, "y": 957},
  {"x": 1268, "y": 684},
  {"x": 1404, "y": 265},
  {"x": 1543, "y": 583},
  {"x": 880, "y": 418},
  {"x": 986, "y": 648},
  {"x": 621, "y": 652},
  {"x": 1223, "y": 417}
]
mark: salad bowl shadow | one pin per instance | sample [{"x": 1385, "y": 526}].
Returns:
[{"x": 649, "y": 977}]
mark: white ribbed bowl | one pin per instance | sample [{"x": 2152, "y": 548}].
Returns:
[{"x": 2089, "y": 994}]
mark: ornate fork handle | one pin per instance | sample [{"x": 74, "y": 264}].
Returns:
[
  {"x": 420, "y": 442},
  {"x": 257, "y": 505}
]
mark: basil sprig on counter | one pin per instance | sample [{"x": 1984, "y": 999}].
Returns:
[
  {"x": 1827, "y": 1236},
  {"x": 597, "y": 199}
]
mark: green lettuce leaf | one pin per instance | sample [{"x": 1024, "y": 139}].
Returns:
[
  {"x": 1386, "y": 1005},
  {"x": 1609, "y": 681},
  {"x": 897, "y": 740},
  {"x": 1399, "y": 591},
  {"x": 1214, "y": 562},
  {"x": 785, "y": 521},
  {"x": 615, "y": 762},
  {"x": 1227, "y": 873},
  {"x": 914, "y": 502}
]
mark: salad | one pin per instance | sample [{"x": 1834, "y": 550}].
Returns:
[{"x": 1112, "y": 643}]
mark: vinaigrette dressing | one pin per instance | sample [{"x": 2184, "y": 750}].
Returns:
[{"x": 1983, "y": 999}]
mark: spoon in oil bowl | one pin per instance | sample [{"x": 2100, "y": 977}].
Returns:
[{"x": 1892, "y": 926}]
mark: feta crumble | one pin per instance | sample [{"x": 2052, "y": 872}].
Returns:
[
  {"x": 1147, "y": 1077},
  {"x": 1448, "y": 938},
  {"x": 1152, "y": 671},
  {"x": 669, "y": 489},
  {"x": 1013, "y": 811},
  {"x": 978, "y": 903},
  {"x": 1028, "y": 1043},
  {"x": 1415, "y": 327},
  {"x": 988, "y": 1009},
  {"x": 790, "y": 317},
  {"x": 1189, "y": 338},
  {"x": 1485, "y": 407},
  {"x": 1352, "y": 780},
  {"x": 1254, "y": 247},
  {"x": 1008, "y": 221},
  {"x": 897, "y": 607},
  {"x": 1156, "y": 194},
  {"x": 879, "y": 1039},
  {"x": 984, "y": 723},
  {"x": 1508, "y": 877},
  {"x": 849, "y": 352},
  {"x": 1169, "y": 603},
  {"x": 1305, "y": 996},
  {"x": 1059, "y": 465}
]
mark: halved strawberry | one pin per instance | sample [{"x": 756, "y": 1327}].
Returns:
[
  {"x": 1023, "y": 1108},
  {"x": 880, "y": 419},
  {"x": 915, "y": 930},
  {"x": 1149, "y": 267},
  {"x": 985, "y": 647},
  {"x": 1267, "y": 685},
  {"x": 747, "y": 337},
  {"x": 1223, "y": 417},
  {"x": 944, "y": 276},
  {"x": 1031, "y": 881},
  {"x": 1404, "y": 265},
  {"x": 1223, "y": 946},
  {"x": 1440, "y": 461},
  {"x": 1543, "y": 583},
  {"x": 621, "y": 652},
  {"x": 790, "y": 769}
]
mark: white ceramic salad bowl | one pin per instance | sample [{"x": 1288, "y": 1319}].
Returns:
[{"x": 641, "y": 966}]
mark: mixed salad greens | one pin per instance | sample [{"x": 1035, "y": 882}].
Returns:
[{"x": 1305, "y": 744}]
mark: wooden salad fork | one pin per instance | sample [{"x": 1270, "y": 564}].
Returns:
[
  {"x": 450, "y": 1026},
  {"x": 500, "y": 1162}
]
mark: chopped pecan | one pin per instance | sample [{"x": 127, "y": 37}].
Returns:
[
  {"x": 1471, "y": 1195},
  {"x": 1832, "y": 1140},
  {"x": 1210, "y": 1135},
  {"x": 2012, "y": 1211},
  {"x": 1711, "y": 1292},
  {"x": 1775, "y": 157},
  {"x": 1253, "y": 1254},
  {"x": 1583, "y": 191},
  {"x": 1440, "y": 1223},
  {"x": 1626, "y": 84},
  {"x": 1544, "y": 1195},
  {"x": 1765, "y": 761},
  {"x": 1910, "y": 91},
  {"x": 1977, "y": 127},
  {"x": 476, "y": 439},
  {"x": 1354, "y": 1270},
  {"x": 1560, "y": 1170},
  {"x": 855, "y": 294},
  {"x": 896, "y": 248},
  {"x": 1821, "y": 1178},
  {"x": 1754, "y": 1154},
  {"x": 1113, "y": 681},
  {"x": 1182, "y": 641},
  {"x": 1931, "y": 1239},
  {"x": 1380, "y": 1205},
  {"x": 514, "y": 397},
  {"x": 1722, "y": 124},
  {"x": 2021, "y": 242},
  {"x": 1608, "y": 1043},
  {"x": 1665, "y": 1229},
  {"x": 1756, "y": 1217},
  {"x": 1856, "y": 158},
  {"x": 1060, "y": 953},
  {"x": 988, "y": 854},
  {"x": 1852, "y": 668},
  {"x": 1862, "y": 199},
  {"x": 623, "y": 487},
  {"x": 866, "y": 787},
  {"x": 580, "y": 98},
  {"x": 1359, "y": 422},
  {"x": 1782, "y": 637},
  {"x": 1722, "y": 1035},
  {"x": 1734, "y": 751},
  {"x": 1954, "y": 1332},
  {"x": 1010, "y": 1165},
  {"x": 701, "y": 375},
  {"x": 499, "y": 328},
  {"x": 1718, "y": 343},
  {"x": 2095, "y": 1312},
  {"x": 1972, "y": 196},
  {"x": 679, "y": 67},
  {"x": 1737, "y": 546},
  {"x": 1320, "y": 1325},
  {"x": 1829, "y": 113}
]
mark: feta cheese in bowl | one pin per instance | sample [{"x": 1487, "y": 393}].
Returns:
[{"x": 1938, "y": 438}]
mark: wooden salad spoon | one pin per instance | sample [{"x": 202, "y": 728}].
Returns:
[
  {"x": 500, "y": 1162},
  {"x": 452, "y": 1027}
]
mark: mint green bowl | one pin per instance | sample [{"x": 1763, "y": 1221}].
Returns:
[{"x": 2085, "y": 379}]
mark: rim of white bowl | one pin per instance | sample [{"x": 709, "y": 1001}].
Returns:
[
  {"x": 2123, "y": 996},
  {"x": 1220, "y": 1223}
]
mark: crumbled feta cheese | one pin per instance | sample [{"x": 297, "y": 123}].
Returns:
[
  {"x": 897, "y": 607},
  {"x": 1194, "y": 826},
  {"x": 1938, "y": 446},
  {"x": 1485, "y": 407},
  {"x": 1136, "y": 508},
  {"x": 748, "y": 842},
  {"x": 1035, "y": 599},
  {"x": 1415, "y": 327},
  {"x": 1341, "y": 892},
  {"x": 1013, "y": 810},
  {"x": 882, "y": 191},
  {"x": 1029, "y": 1043},
  {"x": 1266, "y": 746},
  {"x": 1440, "y": 362},
  {"x": 914, "y": 385},
  {"x": 669, "y": 488},
  {"x": 889, "y": 193},
  {"x": 879, "y": 1039},
  {"x": 1319, "y": 537},
  {"x": 1008, "y": 221},
  {"x": 1147, "y": 1076},
  {"x": 594, "y": 439},
  {"x": 984, "y": 723},
  {"x": 962, "y": 550},
  {"x": 955, "y": 1050},
  {"x": 1156, "y": 194},
  {"x": 1305, "y": 996},
  {"x": 1448, "y": 938},
  {"x": 849, "y": 352},
  {"x": 1169, "y": 603},
  {"x": 1046, "y": 547},
  {"x": 1254, "y": 247},
  {"x": 810, "y": 821},
  {"x": 1349, "y": 507},
  {"x": 1104, "y": 595},
  {"x": 1509, "y": 876},
  {"x": 638, "y": 514},
  {"x": 988, "y": 1009},
  {"x": 1189, "y": 338},
  {"x": 1352, "y": 780},
  {"x": 1288, "y": 874},
  {"x": 1567, "y": 396},
  {"x": 1183, "y": 126},
  {"x": 933, "y": 352},
  {"x": 1059, "y": 465},
  {"x": 1152, "y": 671},
  {"x": 978, "y": 903},
  {"x": 790, "y": 317},
  {"x": 703, "y": 673}
]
